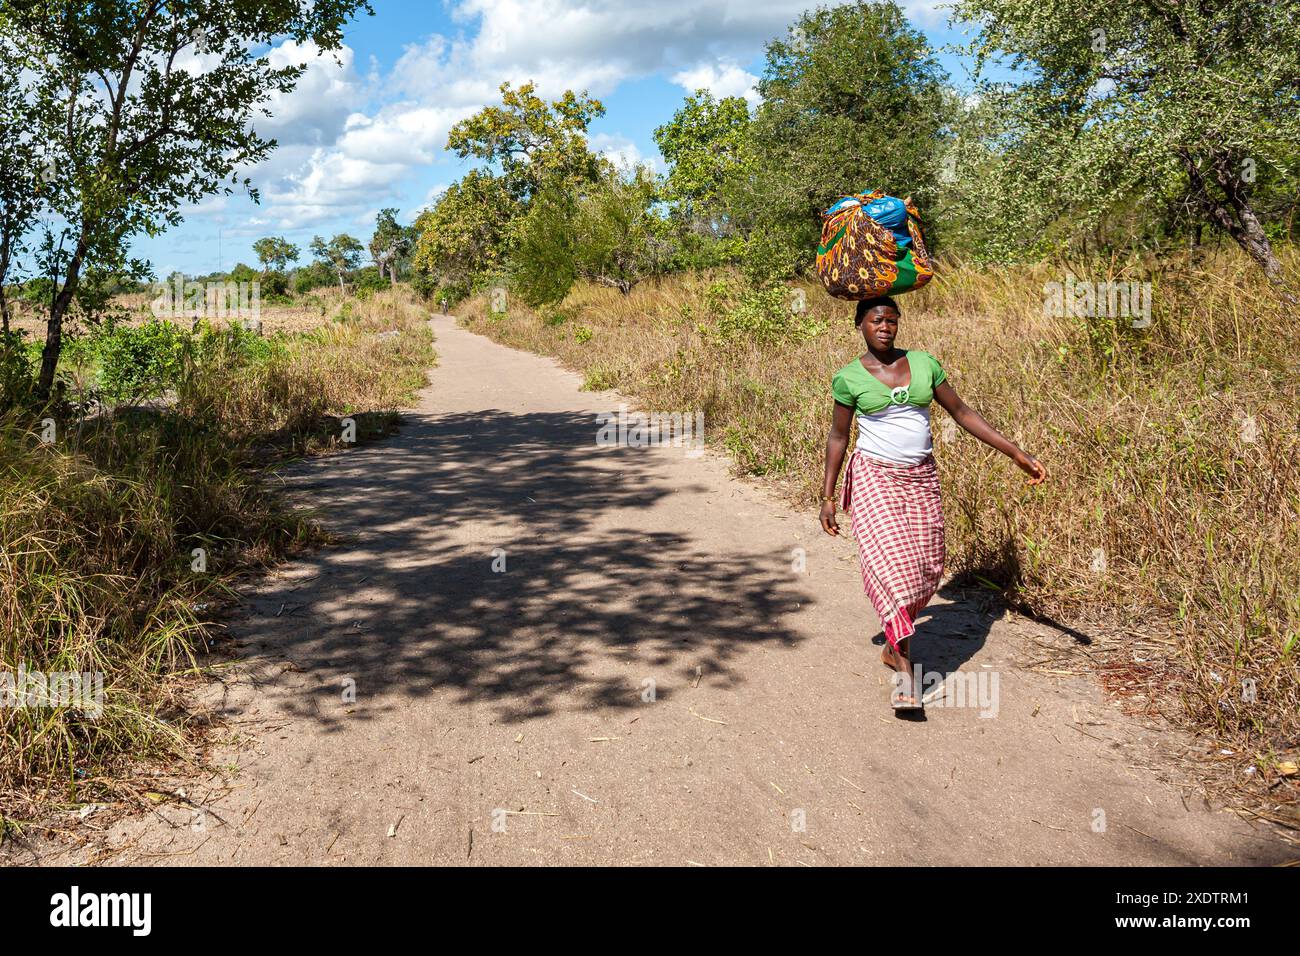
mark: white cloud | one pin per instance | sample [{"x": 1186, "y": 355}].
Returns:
[
  {"x": 404, "y": 133},
  {"x": 332, "y": 184},
  {"x": 622, "y": 151},
  {"x": 720, "y": 79},
  {"x": 929, "y": 13},
  {"x": 593, "y": 45},
  {"x": 430, "y": 198},
  {"x": 315, "y": 111},
  {"x": 366, "y": 164},
  {"x": 213, "y": 207}
]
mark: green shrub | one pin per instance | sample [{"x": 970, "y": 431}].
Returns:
[
  {"x": 141, "y": 361},
  {"x": 234, "y": 344},
  {"x": 552, "y": 315},
  {"x": 17, "y": 378},
  {"x": 313, "y": 276},
  {"x": 453, "y": 292},
  {"x": 274, "y": 286},
  {"x": 428, "y": 288},
  {"x": 423, "y": 285},
  {"x": 313, "y": 302},
  {"x": 696, "y": 253},
  {"x": 366, "y": 282},
  {"x": 598, "y": 379},
  {"x": 762, "y": 315},
  {"x": 38, "y": 291},
  {"x": 244, "y": 273}
]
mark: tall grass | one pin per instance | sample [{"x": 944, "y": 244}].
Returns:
[
  {"x": 98, "y": 530},
  {"x": 1172, "y": 516}
]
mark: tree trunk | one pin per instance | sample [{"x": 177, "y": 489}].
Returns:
[
  {"x": 1235, "y": 216},
  {"x": 4, "y": 300},
  {"x": 341, "y": 288},
  {"x": 54, "y": 325}
]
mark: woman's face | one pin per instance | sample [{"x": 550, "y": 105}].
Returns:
[{"x": 879, "y": 327}]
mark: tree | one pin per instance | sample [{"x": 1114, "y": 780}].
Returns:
[
  {"x": 391, "y": 244},
  {"x": 25, "y": 171},
  {"x": 342, "y": 254},
  {"x": 466, "y": 232},
  {"x": 532, "y": 142},
  {"x": 543, "y": 266},
  {"x": 1184, "y": 104},
  {"x": 607, "y": 233},
  {"x": 135, "y": 128},
  {"x": 703, "y": 145},
  {"x": 275, "y": 253},
  {"x": 853, "y": 99}
]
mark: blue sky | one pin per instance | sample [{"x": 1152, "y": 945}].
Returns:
[{"x": 368, "y": 131}]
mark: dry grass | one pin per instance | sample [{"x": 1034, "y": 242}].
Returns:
[
  {"x": 332, "y": 369},
  {"x": 1172, "y": 518},
  {"x": 307, "y": 311},
  {"x": 98, "y": 528}
]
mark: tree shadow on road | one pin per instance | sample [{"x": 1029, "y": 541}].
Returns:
[{"x": 590, "y": 609}]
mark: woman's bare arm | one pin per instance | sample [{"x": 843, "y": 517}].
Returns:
[
  {"x": 837, "y": 441},
  {"x": 973, "y": 422}
]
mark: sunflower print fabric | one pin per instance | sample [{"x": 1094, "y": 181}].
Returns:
[{"x": 859, "y": 258}]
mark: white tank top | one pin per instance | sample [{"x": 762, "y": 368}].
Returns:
[{"x": 898, "y": 434}]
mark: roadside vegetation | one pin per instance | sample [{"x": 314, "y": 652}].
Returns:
[{"x": 163, "y": 443}]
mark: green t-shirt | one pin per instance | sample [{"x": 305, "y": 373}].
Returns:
[{"x": 857, "y": 388}]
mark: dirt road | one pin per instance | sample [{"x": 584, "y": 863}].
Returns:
[{"x": 651, "y": 679}]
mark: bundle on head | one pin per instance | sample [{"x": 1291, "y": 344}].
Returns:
[{"x": 872, "y": 245}]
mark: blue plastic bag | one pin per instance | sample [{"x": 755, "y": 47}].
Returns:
[{"x": 888, "y": 211}]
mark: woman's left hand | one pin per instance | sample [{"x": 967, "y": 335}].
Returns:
[
  {"x": 827, "y": 518},
  {"x": 1031, "y": 466}
]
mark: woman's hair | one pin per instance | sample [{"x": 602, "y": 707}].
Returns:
[{"x": 866, "y": 305}]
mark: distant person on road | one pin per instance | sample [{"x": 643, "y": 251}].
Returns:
[
  {"x": 443, "y": 303},
  {"x": 891, "y": 486}
]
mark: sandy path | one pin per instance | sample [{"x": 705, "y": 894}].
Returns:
[{"x": 478, "y": 692}]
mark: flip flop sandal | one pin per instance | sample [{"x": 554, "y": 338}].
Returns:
[{"x": 904, "y": 700}]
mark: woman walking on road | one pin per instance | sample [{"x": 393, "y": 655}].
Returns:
[{"x": 891, "y": 486}]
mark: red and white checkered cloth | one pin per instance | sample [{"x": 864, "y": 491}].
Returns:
[{"x": 897, "y": 519}]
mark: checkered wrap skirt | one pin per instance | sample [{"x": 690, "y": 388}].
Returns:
[{"x": 897, "y": 520}]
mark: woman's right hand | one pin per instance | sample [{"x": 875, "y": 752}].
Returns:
[
  {"x": 1030, "y": 466},
  {"x": 829, "y": 524}
]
